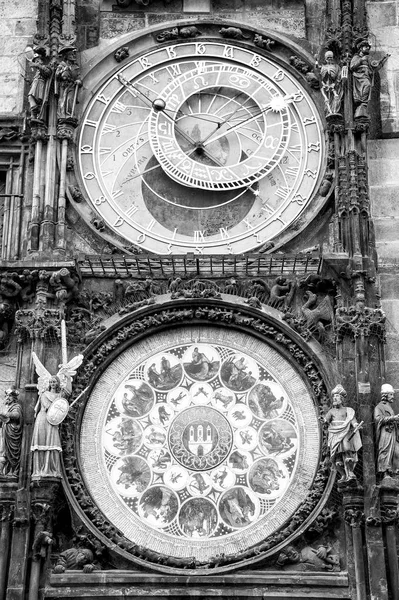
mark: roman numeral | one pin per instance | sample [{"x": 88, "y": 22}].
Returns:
[
  {"x": 174, "y": 70},
  {"x": 292, "y": 171},
  {"x": 131, "y": 210},
  {"x": 118, "y": 107},
  {"x": 199, "y": 236},
  {"x": 224, "y": 234},
  {"x": 283, "y": 192},
  {"x": 103, "y": 99},
  {"x": 108, "y": 128}
]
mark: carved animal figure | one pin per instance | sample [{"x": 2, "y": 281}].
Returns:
[
  {"x": 258, "y": 288},
  {"x": 319, "y": 316},
  {"x": 189, "y": 32},
  {"x": 262, "y": 42},
  {"x": 233, "y": 32},
  {"x": 280, "y": 291}
]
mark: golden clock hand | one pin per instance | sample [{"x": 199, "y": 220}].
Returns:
[
  {"x": 185, "y": 135},
  {"x": 143, "y": 172},
  {"x": 229, "y": 129},
  {"x": 159, "y": 165},
  {"x": 197, "y": 146},
  {"x": 277, "y": 104},
  {"x": 210, "y": 139},
  {"x": 156, "y": 104},
  {"x": 223, "y": 121}
]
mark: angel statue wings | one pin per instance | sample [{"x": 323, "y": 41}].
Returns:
[{"x": 51, "y": 408}]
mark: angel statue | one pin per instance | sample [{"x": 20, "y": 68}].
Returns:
[{"x": 51, "y": 408}]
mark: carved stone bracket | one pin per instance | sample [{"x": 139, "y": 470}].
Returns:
[
  {"x": 354, "y": 509},
  {"x": 359, "y": 320},
  {"x": 7, "y": 511},
  {"x": 51, "y": 291},
  {"x": 354, "y": 517},
  {"x": 66, "y": 128},
  {"x": 133, "y": 328},
  {"x": 41, "y": 514}
]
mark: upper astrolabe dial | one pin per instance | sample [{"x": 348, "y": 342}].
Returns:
[
  {"x": 201, "y": 147},
  {"x": 215, "y": 137}
]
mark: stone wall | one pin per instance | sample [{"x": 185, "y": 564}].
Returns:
[
  {"x": 383, "y": 18},
  {"x": 384, "y": 193},
  {"x": 106, "y": 20},
  {"x": 17, "y": 26},
  {"x": 383, "y": 21}
]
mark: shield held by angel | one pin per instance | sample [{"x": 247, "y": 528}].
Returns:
[{"x": 51, "y": 409}]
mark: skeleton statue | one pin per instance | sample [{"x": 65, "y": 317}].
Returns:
[
  {"x": 343, "y": 436},
  {"x": 50, "y": 410},
  {"x": 387, "y": 426}
]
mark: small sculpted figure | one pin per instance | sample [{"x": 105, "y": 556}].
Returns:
[
  {"x": 308, "y": 559},
  {"x": 67, "y": 83},
  {"x": 38, "y": 91},
  {"x": 75, "y": 559},
  {"x": 343, "y": 436},
  {"x": 121, "y": 53},
  {"x": 363, "y": 69},
  {"x": 387, "y": 433},
  {"x": 10, "y": 433},
  {"x": 331, "y": 84},
  {"x": 46, "y": 443}
]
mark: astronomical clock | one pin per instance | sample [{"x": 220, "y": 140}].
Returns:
[
  {"x": 210, "y": 147},
  {"x": 199, "y": 437}
]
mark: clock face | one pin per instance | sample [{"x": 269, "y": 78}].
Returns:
[
  {"x": 198, "y": 448},
  {"x": 200, "y": 147}
]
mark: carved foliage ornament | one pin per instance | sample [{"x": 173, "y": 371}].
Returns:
[{"x": 212, "y": 315}]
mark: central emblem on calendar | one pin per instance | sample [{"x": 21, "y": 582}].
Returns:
[{"x": 200, "y": 438}]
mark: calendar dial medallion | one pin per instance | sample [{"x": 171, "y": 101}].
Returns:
[{"x": 200, "y": 147}]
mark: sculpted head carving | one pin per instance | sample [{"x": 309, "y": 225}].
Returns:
[
  {"x": 387, "y": 392},
  {"x": 338, "y": 395}
]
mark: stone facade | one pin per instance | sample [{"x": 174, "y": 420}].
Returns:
[{"x": 211, "y": 415}]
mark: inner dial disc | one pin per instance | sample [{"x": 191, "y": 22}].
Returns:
[
  {"x": 255, "y": 117},
  {"x": 197, "y": 448}
]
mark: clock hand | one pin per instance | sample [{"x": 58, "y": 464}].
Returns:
[
  {"x": 278, "y": 104},
  {"x": 159, "y": 165},
  {"x": 128, "y": 85},
  {"x": 223, "y": 121},
  {"x": 185, "y": 135}
]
